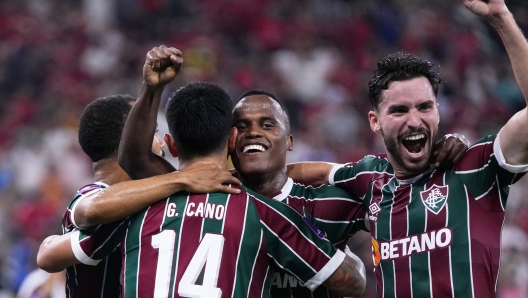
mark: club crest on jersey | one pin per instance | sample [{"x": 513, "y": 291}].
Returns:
[{"x": 435, "y": 198}]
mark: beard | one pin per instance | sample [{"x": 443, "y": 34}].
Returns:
[{"x": 394, "y": 151}]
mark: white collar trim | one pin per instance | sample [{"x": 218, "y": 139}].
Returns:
[{"x": 285, "y": 191}]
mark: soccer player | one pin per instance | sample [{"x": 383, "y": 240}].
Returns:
[
  {"x": 100, "y": 129},
  {"x": 435, "y": 233},
  {"x": 259, "y": 157},
  {"x": 216, "y": 245}
]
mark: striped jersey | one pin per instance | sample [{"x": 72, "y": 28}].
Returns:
[
  {"x": 216, "y": 245},
  {"x": 437, "y": 234},
  {"x": 335, "y": 211},
  {"x": 103, "y": 279}
]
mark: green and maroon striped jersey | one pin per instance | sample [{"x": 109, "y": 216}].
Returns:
[
  {"x": 335, "y": 211},
  {"x": 103, "y": 279},
  {"x": 437, "y": 234},
  {"x": 216, "y": 245}
]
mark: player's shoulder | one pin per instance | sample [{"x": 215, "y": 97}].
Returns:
[
  {"x": 301, "y": 190},
  {"x": 87, "y": 190},
  {"x": 378, "y": 163},
  {"x": 96, "y": 186}
]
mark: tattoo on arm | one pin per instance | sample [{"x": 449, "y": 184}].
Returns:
[{"x": 349, "y": 278}]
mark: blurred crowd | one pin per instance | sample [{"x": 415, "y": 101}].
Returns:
[{"x": 316, "y": 55}]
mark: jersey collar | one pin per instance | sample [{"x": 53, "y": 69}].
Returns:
[
  {"x": 285, "y": 191},
  {"x": 416, "y": 178}
]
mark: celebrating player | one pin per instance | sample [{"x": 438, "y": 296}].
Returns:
[
  {"x": 434, "y": 232},
  {"x": 100, "y": 129}
]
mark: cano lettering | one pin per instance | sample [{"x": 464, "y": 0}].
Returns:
[{"x": 206, "y": 210}]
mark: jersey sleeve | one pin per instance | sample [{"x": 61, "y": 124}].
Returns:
[
  {"x": 335, "y": 211},
  {"x": 92, "y": 245},
  {"x": 294, "y": 245},
  {"x": 357, "y": 177},
  {"x": 68, "y": 219},
  {"x": 484, "y": 167}
]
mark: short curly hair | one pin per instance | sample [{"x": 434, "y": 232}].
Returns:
[
  {"x": 101, "y": 125},
  {"x": 398, "y": 67}
]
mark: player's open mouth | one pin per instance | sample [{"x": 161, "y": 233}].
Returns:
[
  {"x": 254, "y": 148},
  {"x": 415, "y": 144}
]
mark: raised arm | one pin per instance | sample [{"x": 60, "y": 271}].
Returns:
[
  {"x": 126, "y": 198},
  {"x": 512, "y": 138},
  {"x": 135, "y": 155}
]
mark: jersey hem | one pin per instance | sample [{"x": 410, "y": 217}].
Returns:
[
  {"x": 79, "y": 253},
  {"x": 74, "y": 207},
  {"x": 331, "y": 175},
  {"x": 502, "y": 160},
  {"x": 326, "y": 271}
]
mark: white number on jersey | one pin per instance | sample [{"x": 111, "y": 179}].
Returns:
[{"x": 209, "y": 251}]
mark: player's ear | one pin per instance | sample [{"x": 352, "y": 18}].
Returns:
[
  {"x": 171, "y": 145},
  {"x": 290, "y": 143},
  {"x": 231, "y": 143},
  {"x": 374, "y": 122}
]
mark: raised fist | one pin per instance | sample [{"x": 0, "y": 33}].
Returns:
[{"x": 161, "y": 66}]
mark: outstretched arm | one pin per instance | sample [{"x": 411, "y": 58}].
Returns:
[
  {"x": 312, "y": 173},
  {"x": 512, "y": 138},
  {"x": 135, "y": 155},
  {"x": 55, "y": 253},
  {"x": 448, "y": 151},
  {"x": 126, "y": 198}
]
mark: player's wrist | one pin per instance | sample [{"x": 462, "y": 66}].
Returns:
[{"x": 499, "y": 19}]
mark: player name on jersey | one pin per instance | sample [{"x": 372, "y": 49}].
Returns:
[{"x": 204, "y": 210}]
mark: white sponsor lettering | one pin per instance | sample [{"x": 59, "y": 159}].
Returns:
[
  {"x": 282, "y": 280},
  {"x": 206, "y": 210},
  {"x": 416, "y": 244},
  {"x": 171, "y": 210},
  {"x": 384, "y": 250},
  {"x": 393, "y": 249},
  {"x": 447, "y": 238}
]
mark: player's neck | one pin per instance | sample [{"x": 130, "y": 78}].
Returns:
[
  {"x": 109, "y": 172},
  {"x": 268, "y": 184},
  {"x": 218, "y": 159}
]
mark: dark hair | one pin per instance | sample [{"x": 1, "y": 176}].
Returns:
[
  {"x": 101, "y": 125},
  {"x": 199, "y": 116},
  {"x": 270, "y": 95},
  {"x": 398, "y": 67}
]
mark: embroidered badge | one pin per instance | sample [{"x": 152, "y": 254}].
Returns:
[{"x": 435, "y": 197}]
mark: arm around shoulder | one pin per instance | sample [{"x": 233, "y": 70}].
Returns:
[
  {"x": 313, "y": 173},
  {"x": 55, "y": 253}
]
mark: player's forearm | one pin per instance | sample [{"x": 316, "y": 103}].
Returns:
[
  {"x": 55, "y": 253},
  {"x": 516, "y": 46},
  {"x": 313, "y": 173},
  {"x": 135, "y": 150},
  {"x": 126, "y": 198},
  {"x": 349, "y": 279}
]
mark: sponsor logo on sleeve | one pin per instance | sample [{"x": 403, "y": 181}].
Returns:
[{"x": 435, "y": 198}]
